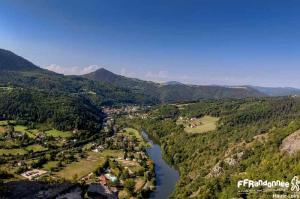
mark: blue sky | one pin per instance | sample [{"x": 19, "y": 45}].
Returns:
[{"x": 227, "y": 42}]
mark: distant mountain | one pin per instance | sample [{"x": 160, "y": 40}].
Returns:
[
  {"x": 106, "y": 76},
  {"x": 105, "y": 87},
  {"x": 18, "y": 72},
  {"x": 172, "y": 91},
  {"x": 277, "y": 91},
  {"x": 172, "y": 83}
]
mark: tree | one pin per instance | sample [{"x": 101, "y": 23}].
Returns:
[{"x": 129, "y": 184}]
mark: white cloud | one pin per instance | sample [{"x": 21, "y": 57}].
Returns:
[
  {"x": 158, "y": 76},
  {"x": 127, "y": 73},
  {"x": 74, "y": 70},
  {"x": 164, "y": 76}
]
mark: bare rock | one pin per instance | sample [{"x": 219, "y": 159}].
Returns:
[{"x": 291, "y": 144}]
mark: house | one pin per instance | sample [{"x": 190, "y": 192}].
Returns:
[
  {"x": 40, "y": 137},
  {"x": 114, "y": 189},
  {"x": 111, "y": 177},
  {"x": 98, "y": 148},
  {"x": 75, "y": 131},
  {"x": 21, "y": 163}
]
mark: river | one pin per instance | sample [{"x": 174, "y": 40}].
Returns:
[{"x": 166, "y": 175}]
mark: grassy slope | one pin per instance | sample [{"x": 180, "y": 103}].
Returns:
[
  {"x": 203, "y": 124},
  {"x": 86, "y": 165}
]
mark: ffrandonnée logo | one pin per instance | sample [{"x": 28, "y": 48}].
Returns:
[{"x": 294, "y": 184}]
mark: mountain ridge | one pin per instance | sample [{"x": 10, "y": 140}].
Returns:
[
  {"x": 174, "y": 91},
  {"x": 109, "y": 88},
  {"x": 9, "y": 61},
  {"x": 278, "y": 91}
]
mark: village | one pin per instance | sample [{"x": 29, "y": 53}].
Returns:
[{"x": 114, "y": 166}]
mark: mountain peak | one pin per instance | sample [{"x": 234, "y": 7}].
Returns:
[
  {"x": 9, "y": 61},
  {"x": 102, "y": 74},
  {"x": 173, "y": 83},
  {"x": 102, "y": 70}
]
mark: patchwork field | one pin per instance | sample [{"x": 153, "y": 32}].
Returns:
[
  {"x": 35, "y": 148},
  {"x": 199, "y": 125},
  {"x": 13, "y": 152},
  {"x": 49, "y": 165},
  {"x": 87, "y": 165},
  {"x": 57, "y": 133},
  {"x": 133, "y": 166},
  {"x": 5, "y": 122},
  {"x": 20, "y": 128},
  {"x": 135, "y": 133}
]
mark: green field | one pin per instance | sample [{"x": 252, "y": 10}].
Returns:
[
  {"x": 83, "y": 167},
  {"x": 49, "y": 165},
  {"x": 57, "y": 133},
  {"x": 6, "y": 88},
  {"x": 20, "y": 128},
  {"x": 35, "y": 148},
  {"x": 201, "y": 125},
  {"x": 24, "y": 129},
  {"x": 5, "y": 122},
  {"x": 135, "y": 133},
  {"x": 13, "y": 152},
  {"x": 112, "y": 153}
]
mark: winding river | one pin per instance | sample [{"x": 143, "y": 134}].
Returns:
[{"x": 166, "y": 175}]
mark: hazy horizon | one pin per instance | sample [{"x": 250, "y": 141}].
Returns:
[
  {"x": 237, "y": 85},
  {"x": 194, "y": 42}
]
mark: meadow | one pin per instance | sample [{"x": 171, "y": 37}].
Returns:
[
  {"x": 86, "y": 165},
  {"x": 199, "y": 125},
  {"x": 57, "y": 133}
]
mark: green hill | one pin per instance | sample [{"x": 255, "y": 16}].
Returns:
[
  {"x": 256, "y": 139},
  {"x": 107, "y": 88},
  {"x": 63, "y": 112},
  {"x": 17, "y": 72}
]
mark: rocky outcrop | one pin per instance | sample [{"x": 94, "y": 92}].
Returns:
[
  {"x": 232, "y": 161},
  {"x": 291, "y": 144}
]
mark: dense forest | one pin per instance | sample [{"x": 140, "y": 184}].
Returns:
[
  {"x": 63, "y": 112},
  {"x": 245, "y": 145}
]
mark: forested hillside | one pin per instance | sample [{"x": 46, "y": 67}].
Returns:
[
  {"x": 245, "y": 145},
  {"x": 16, "y": 71},
  {"x": 10, "y": 61},
  {"x": 63, "y": 112}
]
